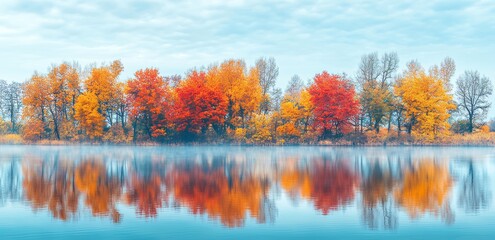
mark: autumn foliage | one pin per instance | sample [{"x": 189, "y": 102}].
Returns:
[
  {"x": 335, "y": 104},
  {"x": 231, "y": 102},
  {"x": 199, "y": 105}
]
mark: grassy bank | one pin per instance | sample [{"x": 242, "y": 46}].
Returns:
[{"x": 369, "y": 139}]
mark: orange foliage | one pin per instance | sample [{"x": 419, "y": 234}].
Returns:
[
  {"x": 228, "y": 198},
  {"x": 146, "y": 193},
  {"x": 101, "y": 191},
  {"x": 148, "y": 96},
  {"x": 198, "y": 105}
]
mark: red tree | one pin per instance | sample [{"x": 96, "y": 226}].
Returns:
[
  {"x": 147, "y": 97},
  {"x": 198, "y": 105},
  {"x": 335, "y": 104}
]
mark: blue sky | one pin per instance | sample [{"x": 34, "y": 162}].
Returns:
[{"x": 305, "y": 37}]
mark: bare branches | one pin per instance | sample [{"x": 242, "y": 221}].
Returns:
[{"x": 473, "y": 92}]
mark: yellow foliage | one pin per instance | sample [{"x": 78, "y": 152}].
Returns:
[
  {"x": 241, "y": 87},
  {"x": 88, "y": 115},
  {"x": 260, "y": 127},
  {"x": 485, "y": 129},
  {"x": 11, "y": 139},
  {"x": 427, "y": 104}
]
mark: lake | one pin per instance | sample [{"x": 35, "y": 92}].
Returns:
[{"x": 81, "y": 192}]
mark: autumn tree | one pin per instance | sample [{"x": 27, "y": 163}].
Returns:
[
  {"x": 103, "y": 83},
  {"x": 64, "y": 87},
  {"x": 242, "y": 89},
  {"x": 148, "y": 101},
  {"x": 268, "y": 72},
  {"x": 88, "y": 115},
  {"x": 473, "y": 92},
  {"x": 374, "y": 77},
  {"x": 335, "y": 103},
  {"x": 426, "y": 103},
  {"x": 36, "y": 100},
  {"x": 198, "y": 105}
]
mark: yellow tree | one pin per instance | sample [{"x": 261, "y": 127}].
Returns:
[
  {"x": 426, "y": 102},
  {"x": 240, "y": 86},
  {"x": 103, "y": 82},
  {"x": 88, "y": 115},
  {"x": 296, "y": 112},
  {"x": 260, "y": 127}
]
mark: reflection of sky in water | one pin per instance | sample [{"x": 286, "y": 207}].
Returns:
[{"x": 221, "y": 192}]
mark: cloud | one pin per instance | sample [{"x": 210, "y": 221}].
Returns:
[{"x": 305, "y": 37}]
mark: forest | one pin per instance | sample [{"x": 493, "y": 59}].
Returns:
[{"x": 234, "y": 103}]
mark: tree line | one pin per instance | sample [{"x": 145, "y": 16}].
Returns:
[{"x": 234, "y": 102}]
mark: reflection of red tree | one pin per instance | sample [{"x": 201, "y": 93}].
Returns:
[
  {"x": 146, "y": 194},
  {"x": 329, "y": 184},
  {"x": 332, "y": 185},
  {"x": 218, "y": 195}
]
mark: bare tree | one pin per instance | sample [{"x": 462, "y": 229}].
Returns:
[
  {"x": 472, "y": 93},
  {"x": 268, "y": 73},
  {"x": 445, "y": 72},
  {"x": 374, "y": 79},
  {"x": 296, "y": 85},
  {"x": 11, "y": 103}
]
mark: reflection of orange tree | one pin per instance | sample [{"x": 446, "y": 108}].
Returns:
[
  {"x": 424, "y": 189},
  {"x": 146, "y": 193},
  {"x": 101, "y": 191},
  {"x": 54, "y": 190},
  {"x": 329, "y": 184},
  {"x": 227, "y": 195}
]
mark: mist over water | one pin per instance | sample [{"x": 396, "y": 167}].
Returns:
[{"x": 246, "y": 192}]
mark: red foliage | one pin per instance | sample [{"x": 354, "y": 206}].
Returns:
[
  {"x": 335, "y": 104},
  {"x": 332, "y": 185},
  {"x": 198, "y": 105},
  {"x": 147, "y": 97}
]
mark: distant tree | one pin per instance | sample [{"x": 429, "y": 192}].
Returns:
[
  {"x": 445, "y": 72},
  {"x": 11, "y": 104},
  {"x": 473, "y": 92},
  {"x": 268, "y": 73}
]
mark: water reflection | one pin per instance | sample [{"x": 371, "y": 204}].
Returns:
[{"x": 232, "y": 187}]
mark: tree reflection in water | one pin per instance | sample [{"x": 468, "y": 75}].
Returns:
[
  {"x": 475, "y": 192},
  {"x": 329, "y": 184},
  {"x": 424, "y": 188},
  {"x": 233, "y": 189},
  {"x": 378, "y": 207}
]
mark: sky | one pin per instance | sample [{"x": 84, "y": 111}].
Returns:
[{"x": 305, "y": 37}]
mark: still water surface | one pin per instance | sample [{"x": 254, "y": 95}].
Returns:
[{"x": 60, "y": 192}]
